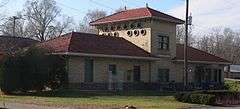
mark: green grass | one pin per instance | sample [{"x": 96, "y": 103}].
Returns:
[{"x": 140, "y": 99}]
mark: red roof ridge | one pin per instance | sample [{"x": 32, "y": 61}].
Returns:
[
  {"x": 130, "y": 14},
  {"x": 106, "y": 16},
  {"x": 64, "y": 35},
  {"x": 205, "y": 52},
  {"x": 117, "y": 13}
]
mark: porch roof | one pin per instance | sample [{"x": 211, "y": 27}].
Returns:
[{"x": 198, "y": 56}]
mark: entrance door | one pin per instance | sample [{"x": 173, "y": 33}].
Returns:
[
  {"x": 136, "y": 73},
  {"x": 112, "y": 72}
]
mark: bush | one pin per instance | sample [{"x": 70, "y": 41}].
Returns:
[
  {"x": 32, "y": 70},
  {"x": 232, "y": 85},
  {"x": 198, "y": 98}
]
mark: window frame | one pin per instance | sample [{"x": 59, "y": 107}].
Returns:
[
  {"x": 113, "y": 68},
  {"x": 161, "y": 42},
  {"x": 89, "y": 75}
]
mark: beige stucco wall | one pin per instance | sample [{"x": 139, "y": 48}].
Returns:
[
  {"x": 76, "y": 69},
  {"x": 163, "y": 28},
  {"x": 142, "y": 41},
  {"x": 175, "y": 70},
  {"x": 149, "y": 41},
  {"x": 149, "y": 70}
]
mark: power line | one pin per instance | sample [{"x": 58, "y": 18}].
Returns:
[
  {"x": 130, "y": 2},
  {"x": 4, "y": 3},
  {"x": 75, "y": 9},
  {"x": 100, "y": 4}
]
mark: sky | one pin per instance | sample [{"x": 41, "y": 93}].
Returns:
[{"x": 206, "y": 13}]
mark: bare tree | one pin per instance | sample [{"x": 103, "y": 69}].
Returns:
[
  {"x": 6, "y": 28},
  {"x": 92, "y": 15},
  {"x": 2, "y": 4},
  {"x": 224, "y": 43},
  {"x": 41, "y": 15},
  {"x": 62, "y": 27},
  {"x": 180, "y": 35},
  {"x": 120, "y": 9}
]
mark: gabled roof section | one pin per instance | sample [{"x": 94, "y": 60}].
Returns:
[
  {"x": 93, "y": 44},
  {"x": 138, "y": 13},
  {"x": 196, "y": 55}
]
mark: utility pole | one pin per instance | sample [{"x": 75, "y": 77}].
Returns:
[
  {"x": 14, "y": 24},
  {"x": 186, "y": 46}
]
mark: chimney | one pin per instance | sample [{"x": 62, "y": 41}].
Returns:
[{"x": 147, "y": 5}]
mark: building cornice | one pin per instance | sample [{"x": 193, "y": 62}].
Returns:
[
  {"x": 110, "y": 56},
  {"x": 204, "y": 62}
]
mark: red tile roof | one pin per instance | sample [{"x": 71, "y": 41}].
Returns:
[
  {"x": 107, "y": 45},
  {"x": 197, "y": 55},
  {"x": 93, "y": 44},
  {"x": 137, "y": 14}
]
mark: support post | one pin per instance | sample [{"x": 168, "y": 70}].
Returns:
[{"x": 186, "y": 46}]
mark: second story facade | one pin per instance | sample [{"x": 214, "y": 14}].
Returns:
[{"x": 147, "y": 28}]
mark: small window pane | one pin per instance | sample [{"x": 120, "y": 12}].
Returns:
[
  {"x": 113, "y": 69},
  {"x": 163, "y": 42}
]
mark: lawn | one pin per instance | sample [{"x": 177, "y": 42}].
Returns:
[{"x": 139, "y": 99}]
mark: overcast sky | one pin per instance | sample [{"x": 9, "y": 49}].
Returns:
[{"x": 206, "y": 13}]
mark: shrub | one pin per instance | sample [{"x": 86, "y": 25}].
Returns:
[
  {"x": 32, "y": 70},
  {"x": 231, "y": 85},
  {"x": 198, "y": 98},
  {"x": 202, "y": 98}
]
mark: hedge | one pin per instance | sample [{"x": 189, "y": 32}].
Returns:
[
  {"x": 197, "y": 98},
  {"x": 232, "y": 85},
  {"x": 220, "y": 98},
  {"x": 32, "y": 70}
]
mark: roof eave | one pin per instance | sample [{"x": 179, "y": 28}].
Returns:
[
  {"x": 94, "y": 23},
  {"x": 203, "y": 62},
  {"x": 178, "y": 21},
  {"x": 107, "y": 56}
]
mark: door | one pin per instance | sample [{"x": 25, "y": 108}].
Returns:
[
  {"x": 112, "y": 72},
  {"x": 136, "y": 73},
  {"x": 88, "y": 74}
]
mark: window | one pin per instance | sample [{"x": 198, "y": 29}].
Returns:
[
  {"x": 88, "y": 74},
  {"x": 132, "y": 26},
  {"x": 129, "y": 75},
  {"x": 136, "y": 74},
  {"x": 113, "y": 69},
  {"x": 163, "y": 75},
  {"x": 125, "y": 26},
  {"x": 139, "y": 25},
  {"x": 215, "y": 75},
  {"x": 219, "y": 75},
  {"x": 119, "y": 27},
  {"x": 208, "y": 75},
  {"x": 163, "y": 42}
]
